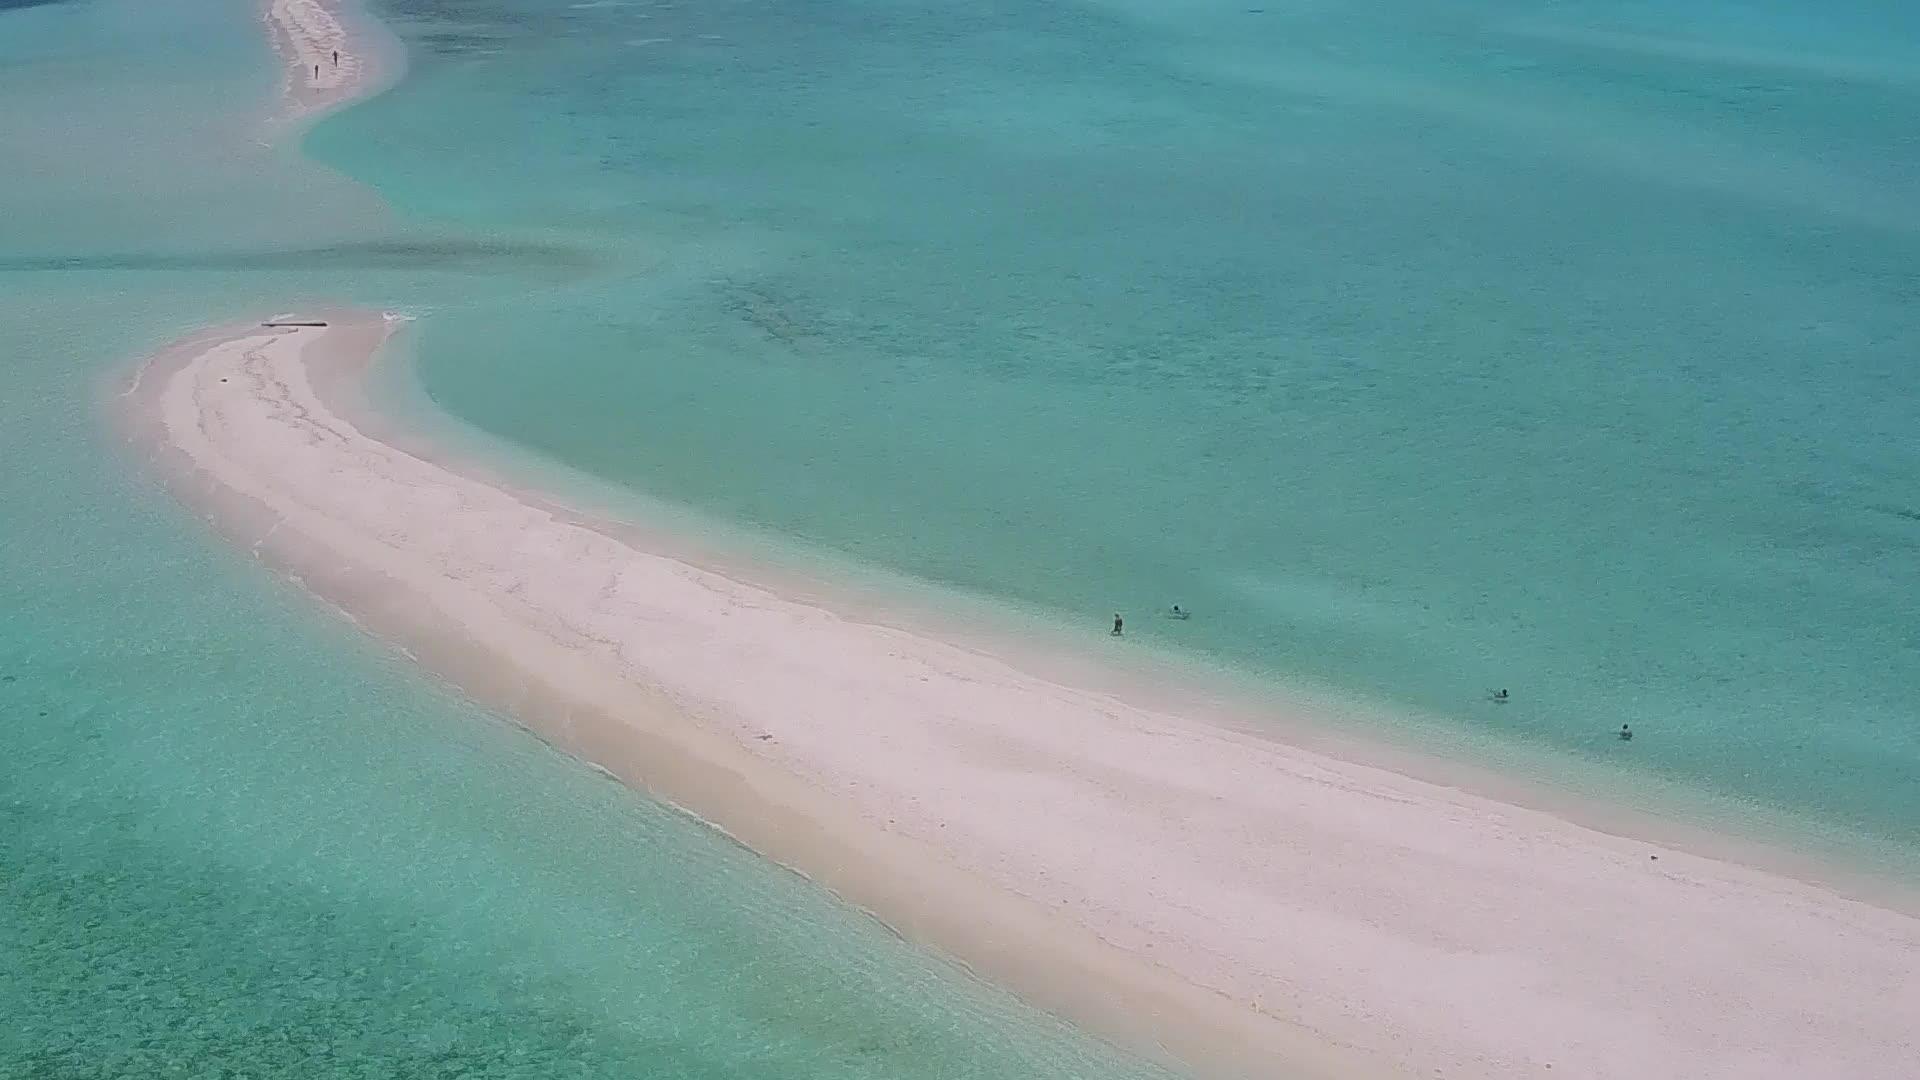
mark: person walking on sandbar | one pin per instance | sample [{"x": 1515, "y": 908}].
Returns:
[
  {"x": 336, "y": 58},
  {"x": 1116, "y": 624}
]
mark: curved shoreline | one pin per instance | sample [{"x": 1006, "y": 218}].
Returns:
[
  {"x": 1234, "y": 900},
  {"x": 1237, "y": 904}
]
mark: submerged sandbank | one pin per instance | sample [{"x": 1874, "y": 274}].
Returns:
[{"x": 1251, "y": 907}]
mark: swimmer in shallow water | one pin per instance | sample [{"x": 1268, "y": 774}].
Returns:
[
  {"x": 1626, "y": 733},
  {"x": 1180, "y": 613},
  {"x": 1497, "y": 695},
  {"x": 1116, "y": 624}
]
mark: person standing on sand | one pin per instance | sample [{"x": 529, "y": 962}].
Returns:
[
  {"x": 1116, "y": 624},
  {"x": 336, "y": 58}
]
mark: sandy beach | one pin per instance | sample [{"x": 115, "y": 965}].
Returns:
[
  {"x": 329, "y": 59},
  {"x": 1165, "y": 878},
  {"x": 1247, "y": 907}
]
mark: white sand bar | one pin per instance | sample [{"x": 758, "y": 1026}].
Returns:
[
  {"x": 1255, "y": 908},
  {"x": 326, "y": 65}
]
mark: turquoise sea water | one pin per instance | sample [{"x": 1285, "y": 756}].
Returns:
[
  {"x": 1420, "y": 348},
  {"x": 237, "y": 840}
]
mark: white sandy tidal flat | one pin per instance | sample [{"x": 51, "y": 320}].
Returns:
[
  {"x": 1254, "y": 907},
  {"x": 327, "y": 63}
]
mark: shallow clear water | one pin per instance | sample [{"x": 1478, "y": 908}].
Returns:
[
  {"x": 236, "y": 839},
  {"x": 1419, "y": 348}
]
